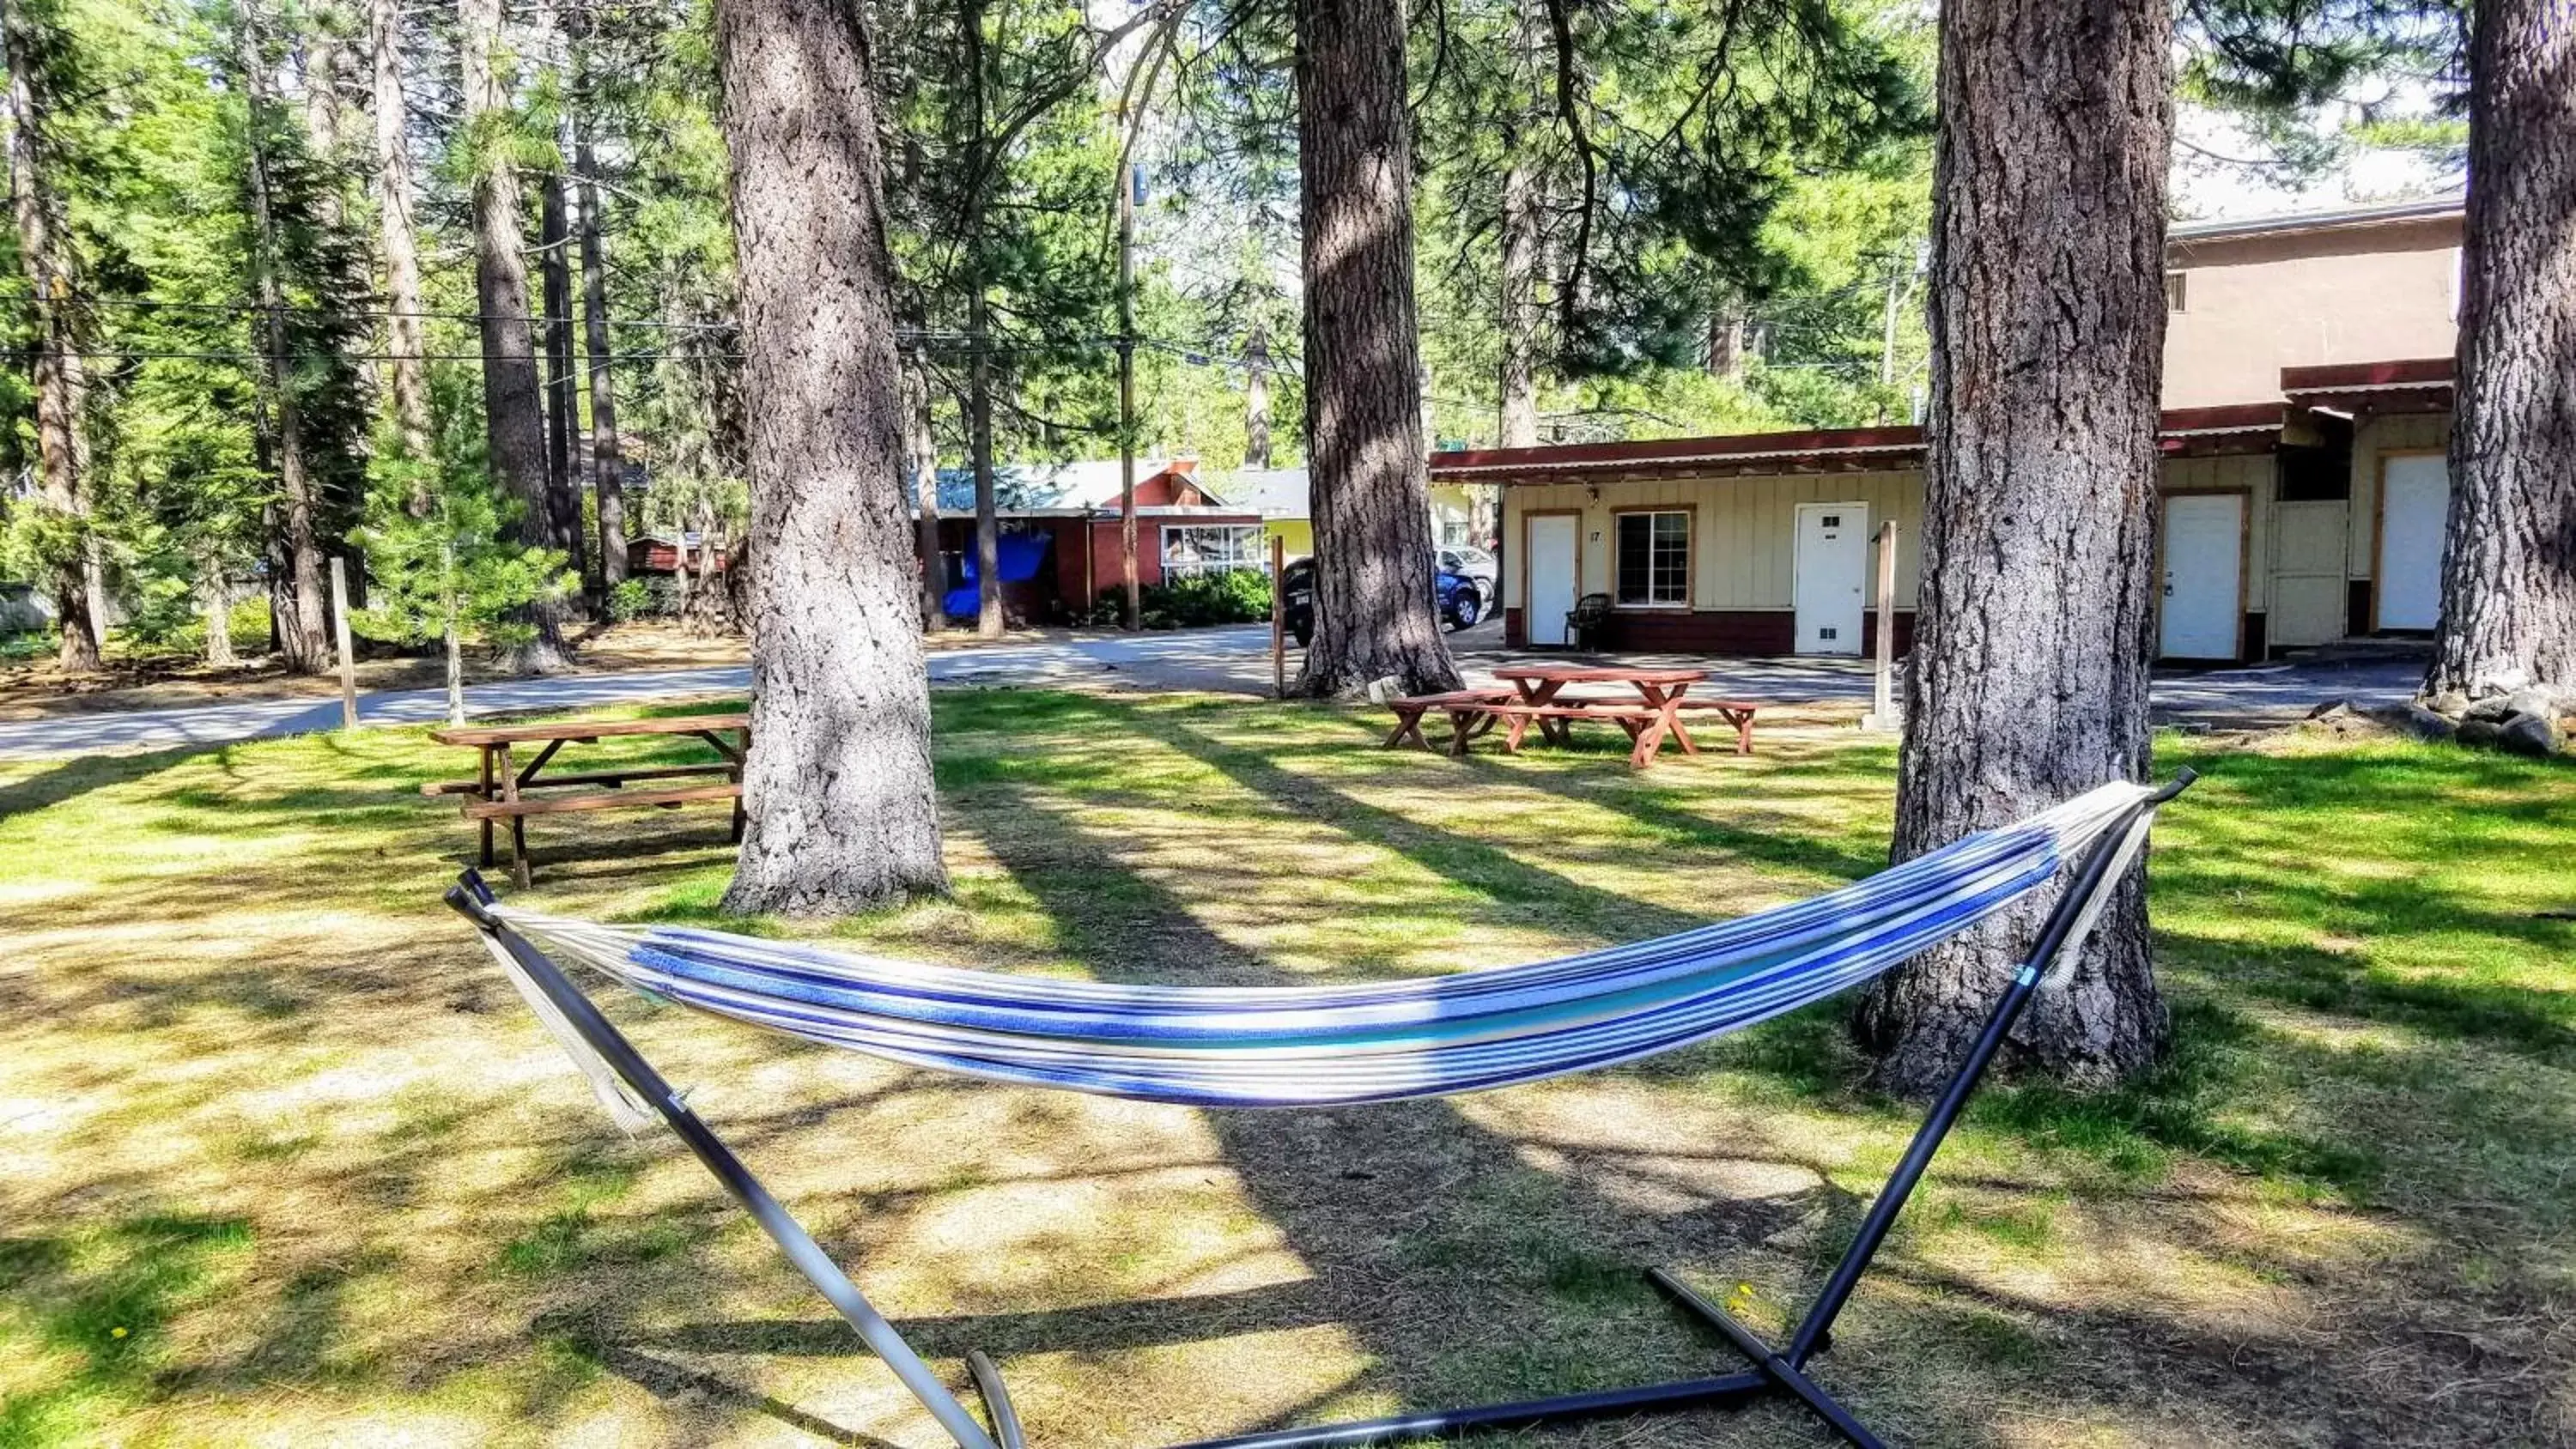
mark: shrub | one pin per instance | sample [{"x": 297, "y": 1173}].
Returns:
[
  {"x": 631, "y": 599},
  {"x": 1189, "y": 601}
]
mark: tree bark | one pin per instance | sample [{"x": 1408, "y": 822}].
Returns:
[
  {"x": 563, "y": 399},
  {"x": 2509, "y": 563},
  {"x": 2030, "y": 677},
  {"x": 59, "y": 382},
  {"x": 514, "y": 421},
  {"x": 554, "y": 300},
  {"x": 1522, "y": 219},
  {"x": 407, "y": 371},
  {"x": 303, "y": 629},
  {"x": 921, "y": 465},
  {"x": 1369, "y": 484},
  {"x": 979, "y": 427},
  {"x": 838, "y": 790},
  {"x": 979, "y": 322},
  {"x": 607, "y": 451},
  {"x": 215, "y": 600}
]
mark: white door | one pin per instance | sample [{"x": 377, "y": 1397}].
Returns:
[
  {"x": 2412, "y": 514},
  {"x": 1551, "y": 575},
  {"x": 1832, "y": 575},
  {"x": 2204, "y": 576}
]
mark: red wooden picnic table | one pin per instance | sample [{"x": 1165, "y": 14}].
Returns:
[{"x": 1663, "y": 691}]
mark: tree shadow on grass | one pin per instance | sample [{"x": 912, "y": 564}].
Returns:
[{"x": 79, "y": 775}]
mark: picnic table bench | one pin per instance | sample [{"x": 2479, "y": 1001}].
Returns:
[
  {"x": 499, "y": 789},
  {"x": 1536, "y": 695}
]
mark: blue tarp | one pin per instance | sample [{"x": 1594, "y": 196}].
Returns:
[{"x": 1021, "y": 555}]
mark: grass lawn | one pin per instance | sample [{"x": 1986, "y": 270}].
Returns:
[{"x": 284, "y": 1161}]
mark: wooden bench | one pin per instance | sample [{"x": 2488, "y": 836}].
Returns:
[{"x": 1461, "y": 706}]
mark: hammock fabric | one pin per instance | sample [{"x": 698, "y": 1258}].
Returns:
[
  {"x": 1309, "y": 1045},
  {"x": 1380, "y": 1041}
]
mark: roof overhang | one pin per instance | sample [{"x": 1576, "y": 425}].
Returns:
[
  {"x": 2380, "y": 214},
  {"x": 1830, "y": 450},
  {"x": 2235, "y": 428},
  {"x": 2186, "y": 432},
  {"x": 2412, "y": 385}
]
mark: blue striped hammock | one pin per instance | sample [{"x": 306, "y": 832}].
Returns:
[{"x": 1295, "y": 1046}]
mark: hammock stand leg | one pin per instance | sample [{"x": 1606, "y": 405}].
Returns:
[
  {"x": 603, "y": 1037},
  {"x": 1777, "y": 1371}
]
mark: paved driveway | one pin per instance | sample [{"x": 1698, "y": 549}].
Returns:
[{"x": 1229, "y": 660}]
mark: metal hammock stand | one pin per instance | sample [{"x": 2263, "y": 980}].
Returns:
[{"x": 1776, "y": 1371}]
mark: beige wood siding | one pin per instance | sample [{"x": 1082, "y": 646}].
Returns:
[
  {"x": 2252, "y": 475},
  {"x": 1743, "y": 530}
]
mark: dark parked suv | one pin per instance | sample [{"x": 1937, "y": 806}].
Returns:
[{"x": 1462, "y": 599}]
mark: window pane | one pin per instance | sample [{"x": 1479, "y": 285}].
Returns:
[{"x": 1636, "y": 553}]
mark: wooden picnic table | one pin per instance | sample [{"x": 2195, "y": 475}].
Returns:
[
  {"x": 498, "y": 791},
  {"x": 1662, "y": 699}
]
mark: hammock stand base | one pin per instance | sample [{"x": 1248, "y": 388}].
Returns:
[{"x": 1775, "y": 1371}]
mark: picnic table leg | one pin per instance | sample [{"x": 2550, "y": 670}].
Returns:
[
  {"x": 1462, "y": 728},
  {"x": 1537, "y": 693},
  {"x": 485, "y": 794},
  {"x": 1671, "y": 705},
  {"x": 518, "y": 823},
  {"x": 1742, "y": 719},
  {"x": 1408, "y": 724}
]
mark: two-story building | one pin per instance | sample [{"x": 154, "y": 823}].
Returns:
[{"x": 2308, "y": 394}]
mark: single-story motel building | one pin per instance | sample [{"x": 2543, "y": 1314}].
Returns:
[{"x": 2303, "y": 520}]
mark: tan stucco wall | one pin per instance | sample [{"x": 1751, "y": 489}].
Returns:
[
  {"x": 1743, "y": 530},
  {"x": 2254, "y": 305}
]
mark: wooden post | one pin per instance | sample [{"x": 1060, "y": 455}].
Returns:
[
  {"x": 348, "y": 661},
  {"x": 1278, "y": 616},
  {"x": 1882, "y": 716}
]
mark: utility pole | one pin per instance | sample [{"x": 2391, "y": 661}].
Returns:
[{"x": 1127, "y": 396}]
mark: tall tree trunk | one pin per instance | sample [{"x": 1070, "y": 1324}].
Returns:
[
  {"x": 979, "y": 321},
  {"x": 563, "y": 399},
  {"x": 554, "y": 271},
  {"x": 2509, "y": 566},
  {"x": 45, "y": 257},
  {"x": 607, "y": 452},
  {"x": 979, "y": 425},
  {"x": 1522, "y": 219},
  {"x": 514, "y": 421},
  {"x": 406, "y": 371},
  {"x": 215, "y": 601},
  {"x": 2030, "y": 678},
  {"x": 303, "y": 629},
  {"x": 921, "y": 468},
  {"x": 1256, "y": 398},
  {"x": 842, "y": 813},
  {"x": 1726, "y": 341},
  {"x": 1369, "y": 484}
]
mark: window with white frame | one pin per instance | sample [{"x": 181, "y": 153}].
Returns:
[
  {"x": 1212, "y": 548},
  {"x": 1653, "y": 559}
]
